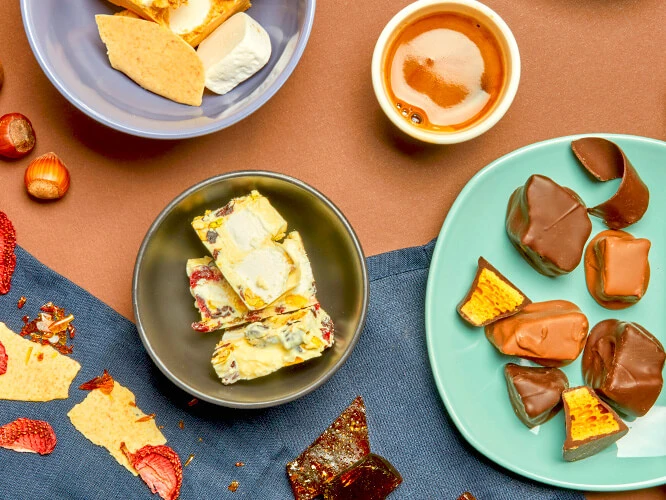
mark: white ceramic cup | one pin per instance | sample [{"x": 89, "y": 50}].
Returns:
[{"x": 476, "y": 10}]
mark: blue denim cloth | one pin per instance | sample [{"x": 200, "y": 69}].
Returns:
[{"x": 389, "y": 368}]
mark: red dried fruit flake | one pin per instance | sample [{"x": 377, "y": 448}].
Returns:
[
  {"x": 371, "y": 478},
  {"x": 21, "y": 302},
  {"x": 50, "y": 327},
  {"x": 3, "y": 359},
  {"x": 192, "y": 402},
  {"x": 7, "y": 255},
  {"x": 30, "y": 436},
  {"x": 104, "y": 383},
  {"x": 340, "y": 446},
  {"x": 159, "y": 467}
]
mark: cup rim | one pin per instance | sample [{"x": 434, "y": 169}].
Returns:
[{"x": 486, "y": 123}]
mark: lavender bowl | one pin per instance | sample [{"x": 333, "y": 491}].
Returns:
[{"x": 65, "y": 41}]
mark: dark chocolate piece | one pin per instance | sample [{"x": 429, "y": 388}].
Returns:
[
  {"x": 371, "y": 478},
  {"x": 591, "y": 425},
  {"x": 549, "y": 333},
  {"x": 623, "y": 362},
  {"x": 617, "y": 271},
  {"x": 548, "y": 224},
  {"x": 340, "y": 446},
  {"x": 535, "y": 393},
  {"x": 491, "y": 297},
  {"x": 605, "y": 160}
]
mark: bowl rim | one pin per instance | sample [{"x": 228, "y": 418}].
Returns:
[
  {"x": 151, "y": 133},
  {"x": 359, "y": 253}
]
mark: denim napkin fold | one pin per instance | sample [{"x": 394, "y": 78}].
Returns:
[{"x": 389, "y": 368}]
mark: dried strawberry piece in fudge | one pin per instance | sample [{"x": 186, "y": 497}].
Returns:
[
  {"x": 29, "y": 436},
  {"x": 371, "y": 478},
  {"x": 7, "y": 255},
  {"x": 3, "y": 359},
  {"x": 104, "y": 383},
  {"x": 159, "y": 467},
  {"x": 341, "y": 445}
]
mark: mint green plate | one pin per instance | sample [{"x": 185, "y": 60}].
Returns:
[{"x": 468, "y": 370}]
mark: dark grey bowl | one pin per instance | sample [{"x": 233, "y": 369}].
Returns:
[{"x": 164, "y": 308}]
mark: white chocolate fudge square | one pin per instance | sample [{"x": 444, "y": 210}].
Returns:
[
  {"x": 220, "y": 307},
  {"x": 241, "y": 238},
  {"x": 261, "y": 348}
]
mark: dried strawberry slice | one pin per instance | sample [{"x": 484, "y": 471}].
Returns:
[
  {"x": 159, "y": 467},
  {"x": 7, "y": 255},
  {"x": 30, "y": 436},
  {"x": 3, "y": 359},
  {"x": 340, "y": 446},
  {"x": 104, "y": 383}
]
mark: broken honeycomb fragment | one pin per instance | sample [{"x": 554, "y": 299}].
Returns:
[
  {"x": 490, "y": 297},
  {"x": 591, "y": 425}
]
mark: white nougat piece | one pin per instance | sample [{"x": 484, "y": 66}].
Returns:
[
  {"x": 234, "y": 52},
  {"x": 220, "y": 306},
  {"x": 241, "y": 237},
  {"x": 261, "y": 348}
]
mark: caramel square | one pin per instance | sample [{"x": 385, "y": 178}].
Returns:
[{"x": 624, "y": 266}]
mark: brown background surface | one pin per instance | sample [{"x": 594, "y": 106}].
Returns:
[{"x": 588, "y": 66}]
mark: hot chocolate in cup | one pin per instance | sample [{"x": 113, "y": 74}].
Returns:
[{"x": 445, "y": 71}]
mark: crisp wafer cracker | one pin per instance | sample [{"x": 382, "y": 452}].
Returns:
[
  {"x": 35, "y": 372},
  {"x": 154, "y": 57},
  {"x": 108, "y": 420}
]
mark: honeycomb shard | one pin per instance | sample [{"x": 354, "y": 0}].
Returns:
[
  {"x": 591, "y": 425},
  {"x": 371, "y": 478},
  {"x": 340, "y": 446},
  {"x": 491, "y": 297}
]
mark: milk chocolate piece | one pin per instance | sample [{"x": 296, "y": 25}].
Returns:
[
  {"x": 535, "y": 393},
  {"x": 623, "y": 362},
  {"x": 371, "y": 478},
  {"x": 591, "y": 425},
  {"x": 548, "y": 224},
  {"x": 617, "y": 271},
  {"x": 491, "y": 297},
  {"x": 605, "y": 161},
  {"x": 549, "y": 333},
  {"x": 340, "y": 446}
]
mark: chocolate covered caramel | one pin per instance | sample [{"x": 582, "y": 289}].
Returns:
[
  {"x": 605, "y": 160},
  {"x": 623, "y": 362},
  {"x": 548, "y": 224},
  {"x": 535, "y": 392},
  {"x": 617, "y": 271},
  {"x": 549, "y": 333}
]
